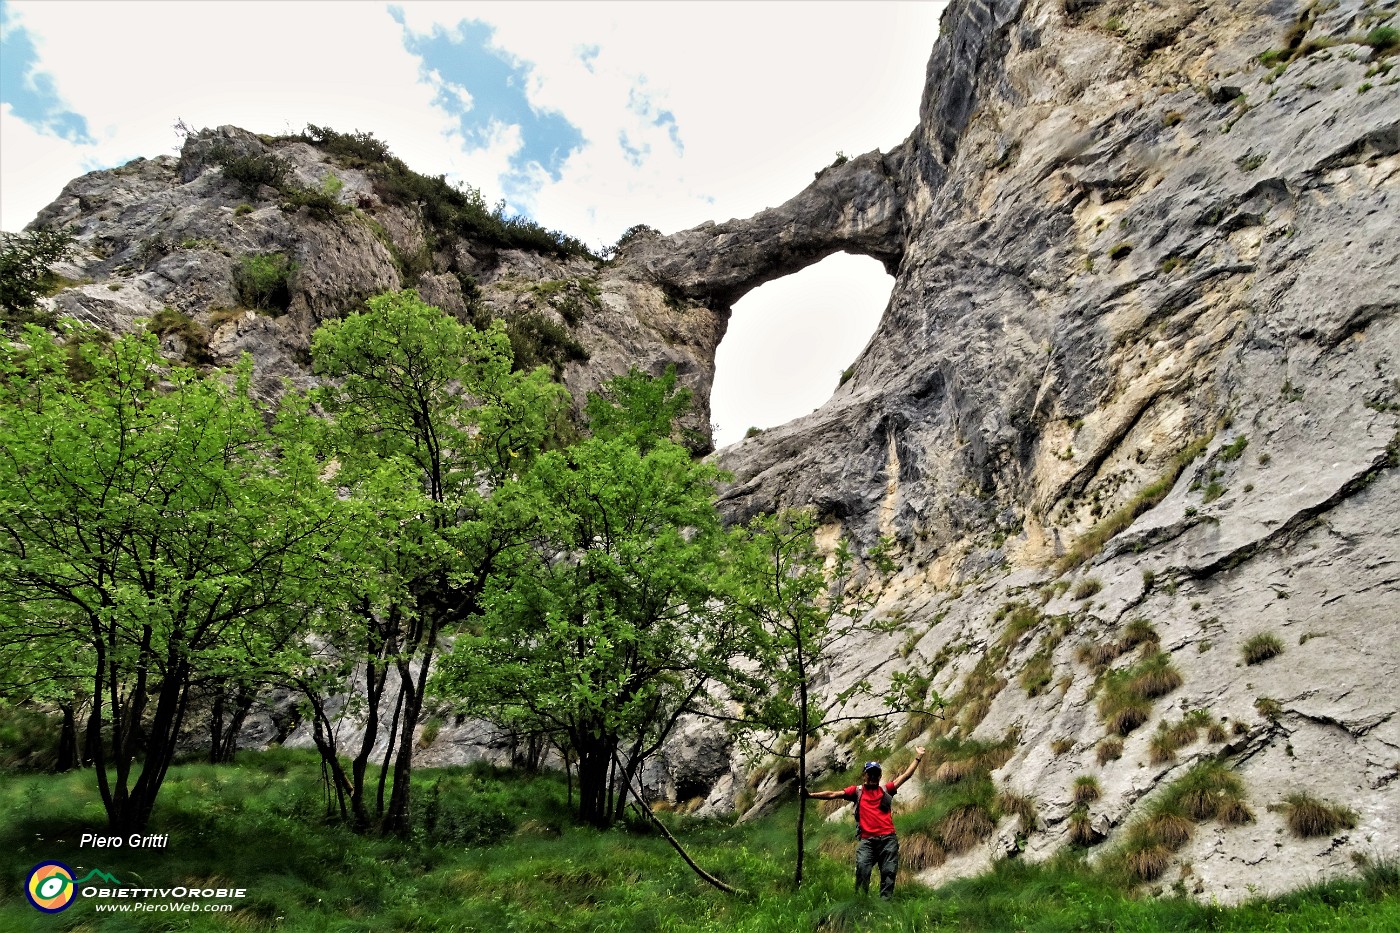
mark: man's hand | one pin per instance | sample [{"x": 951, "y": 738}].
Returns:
[
  {"x": 909, "y": 771},
  {"x": 802, "y": 792}
]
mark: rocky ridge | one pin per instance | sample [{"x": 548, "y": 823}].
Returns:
[{"x": 176, "y": 235}]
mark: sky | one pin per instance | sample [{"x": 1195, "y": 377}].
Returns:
[{"x": 588, "y": 117}]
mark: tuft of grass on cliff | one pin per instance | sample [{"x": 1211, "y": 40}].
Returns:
[{"x": 496, "y": 850}]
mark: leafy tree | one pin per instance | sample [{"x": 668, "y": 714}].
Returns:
[
  {"x": 26, "y": 274},
  {"x": 152, "y": 529},
  {"x": 35, "y": 676},
  {"x": 640, "y": 409},
  {"x": 608, "y": 628},
  {"x": 802, "y": 607},
  {"x": 428, "y": 422}
]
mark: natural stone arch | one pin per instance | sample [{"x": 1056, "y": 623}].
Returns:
[{"x": 855, "y": 207}]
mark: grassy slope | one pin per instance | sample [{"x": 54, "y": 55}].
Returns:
[{"x": 257, "y": 826}]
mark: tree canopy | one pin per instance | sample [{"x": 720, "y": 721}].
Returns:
[
  {"x": 25, "y": 273},
  {"x": 609, "y": 626},
  {"x": 428, "y": 422},
  {"x": 152, "y": 528}
]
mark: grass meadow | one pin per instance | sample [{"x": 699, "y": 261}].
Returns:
[{"x": 496, "y": 850}]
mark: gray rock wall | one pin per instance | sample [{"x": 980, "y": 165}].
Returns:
[{"x": 1123, "y": 234}]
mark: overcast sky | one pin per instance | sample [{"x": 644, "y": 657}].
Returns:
[{"x": 589, "y": 117}]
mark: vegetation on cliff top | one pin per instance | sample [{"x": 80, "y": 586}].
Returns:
[{"x": 448, "y": 210}]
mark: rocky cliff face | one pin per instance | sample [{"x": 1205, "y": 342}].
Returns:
[
  {"x": 1133, "y": 407},
  {"x": 177, "y": 235},
  {"x": 1140, "y": 365}
]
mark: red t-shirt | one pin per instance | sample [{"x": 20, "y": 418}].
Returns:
[{"x": 873, "y": 820}]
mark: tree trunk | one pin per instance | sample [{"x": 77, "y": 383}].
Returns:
[
  {"x": 241, "y": 709},
  {"x": 803, "y": 726},
  {"x": 594, "y": 759},
  {"x": 629, "y": 772},
  {"x": 375, "y": 678},
  {"x": 223, "y": 736},
  {"x": 332, "y": 774},
  {"x": 68, "y": 758},
  {"x": 398, "y": 816},
  {"x": 675, "y": 844},
  {"x": 132, "y": 810},
  {"x": 216, "y": 727},
  {"x": 389, "y": 747}
]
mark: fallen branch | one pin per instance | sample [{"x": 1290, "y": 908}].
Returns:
[{"x": 675, "y": 844}]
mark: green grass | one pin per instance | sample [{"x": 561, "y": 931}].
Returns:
[
  {"x": 1139, "y": 632},
  {"x": 1234, "y": 450},
  {"x": 1086, "y": 588},
  {"x": 169, "y": 321},
  {"x": 1308, "y": 816},
  {"x": 259, "y": 825},
  {"x": 1125, "y": 695},
  {"x": 1209, "y": 791},
  {"x": 1093, "y": 540},
  {"x": 1170, "y": 737},
  {"x": 1261, "y": 647},
  {"x": 1020, "y": 619},
  {"x": 1384, "y": 39},
  {"x": 263, "y": 281},
  {"x": 1036, "y": 675}
]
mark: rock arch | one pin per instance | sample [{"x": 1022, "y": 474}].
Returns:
[{"x": 855, "y": 207}]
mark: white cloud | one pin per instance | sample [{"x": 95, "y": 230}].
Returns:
[
  {"x": 458, "y": 93},
  {"x": 34, "y": 167},
  {"x": 763, "y": 95},
  {"x": 135, "y": 67}
]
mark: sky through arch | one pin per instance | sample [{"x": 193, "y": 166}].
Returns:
[{"x": 789, "y": 340}]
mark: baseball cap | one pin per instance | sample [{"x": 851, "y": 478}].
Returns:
[{"x": 870, "y": 766}]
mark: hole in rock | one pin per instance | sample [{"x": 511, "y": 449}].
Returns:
[{"x": 789, "y": 341}]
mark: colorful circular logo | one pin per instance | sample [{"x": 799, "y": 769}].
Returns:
[{"x": 50, "y": 887}]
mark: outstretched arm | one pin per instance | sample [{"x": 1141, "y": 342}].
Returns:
[
  {"x": 823, "y": 794},
  {"x": 909, "y": 771}
]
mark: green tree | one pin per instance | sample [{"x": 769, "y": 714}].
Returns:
[
  {"x": 428, "y": 423},
  {"x": 36, "y": 677},
  {"x": 608, "y": 629},
  {"x": 152, "y": 528},
  {"x": 802, "y": 607},
  {"x": 26, "y": 274}
]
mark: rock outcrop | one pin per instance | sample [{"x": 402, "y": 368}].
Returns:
[
  {"x": 855, "y": 206},
  {"x": 178, "y": 233}
]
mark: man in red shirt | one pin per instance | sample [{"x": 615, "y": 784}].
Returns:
[{"x": 874, "y": 825}]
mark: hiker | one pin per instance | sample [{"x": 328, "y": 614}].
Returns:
[{"x": 874, "y": 825}]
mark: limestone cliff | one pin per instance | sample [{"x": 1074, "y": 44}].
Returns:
[
  {"x": 180, "y": 236},
  {"x": 1140, "y": 363}
]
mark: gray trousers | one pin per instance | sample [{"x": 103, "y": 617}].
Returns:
[{"x": 882, "y": 851}]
